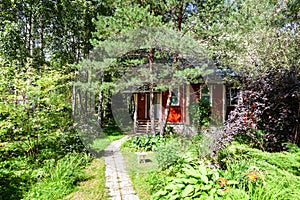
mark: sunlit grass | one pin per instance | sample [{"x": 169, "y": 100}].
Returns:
[
  {"x": 138, "y": 173},
  {"x": 94, "y": 187},
  {"x": 57, "y": 178}
]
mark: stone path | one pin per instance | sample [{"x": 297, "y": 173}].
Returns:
[{"x": 117, "y": 179}]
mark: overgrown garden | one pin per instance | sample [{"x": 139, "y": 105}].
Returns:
[
  {"x": 44, "y": 45},
  {"x": 187, "y": 168}
]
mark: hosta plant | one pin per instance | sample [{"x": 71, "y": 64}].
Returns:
[{"x": 194, "y": 182}]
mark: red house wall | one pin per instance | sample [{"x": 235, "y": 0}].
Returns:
[
  {"x": 217, "y": 102},
  {"x": 178, "y": 113},
  {"x": 175, "y": 114}
]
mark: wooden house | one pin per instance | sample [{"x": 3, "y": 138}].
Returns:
[{"x": 222, "y": 98}]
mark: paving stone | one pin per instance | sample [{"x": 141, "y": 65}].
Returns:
[
  {"x": 130, "y": 197},
  {"x": 117, "y": 179},
  {"x": 127, "y": 190}
]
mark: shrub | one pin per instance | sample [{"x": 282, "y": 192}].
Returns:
[
  {"x": 15, "y": 178},
  {"x": 57, "y": 178},
  {"x": 192, "y": 182},
  {"x": 271, "y": 104},
  {"x": 144, "y": 143},
  {"x": 168, "y": 154},
  {"x": 200, "y": 113},
  {"x": 71, "y": 142},
  {"x": 208, "y": 143}
]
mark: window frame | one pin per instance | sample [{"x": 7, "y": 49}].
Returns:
[
  {"x": 229, "y": 96},
  {"x": 177, "y": 92}
]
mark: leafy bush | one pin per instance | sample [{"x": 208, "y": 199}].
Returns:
[
  {"x": 144, "y": 143},
  {"x": 245, "y": 173},
  {"x": 271, "y": 104},
  {"x": 71, "y": 142},
  {"x": 15, "y": 178},
  {"x": 157, "y": 180},
  {"x": 35, "y": 121},
  {"x": 169, "y": 154},
  {"x": 57, "y": 178},
  {"x": 207, "y": 143},
  {"x": 192, "y": 182},
  {"x": 200, "y": 113}
]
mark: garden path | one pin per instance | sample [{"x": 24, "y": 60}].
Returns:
[{"x": 117, "y": 179}]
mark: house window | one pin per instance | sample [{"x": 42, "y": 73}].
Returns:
[
  {"x": 232, "y": 96},
  {"x": 175, "y": 97}
]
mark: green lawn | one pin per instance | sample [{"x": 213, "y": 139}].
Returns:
[
  {"x": 94, "y": 187},
  {"x": 139, "y": 172}
]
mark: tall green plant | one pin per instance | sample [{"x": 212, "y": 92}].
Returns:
[
  {"x": 200, "y": 113},
  {"x": 57, "y": 179}
]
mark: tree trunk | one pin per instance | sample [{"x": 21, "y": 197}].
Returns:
[
  {"x": 42, "y": 55},
  {"x": 180, "y": 17},
  {"x": 100, "y": 101},
  {"x": 166, "y": 114},
  {"x": 167, "y": 110},
  {"x": 30, "y": 34},
  {"x": 152, "y": 117},
  {"x": 74, "y": 100},
  {"x": 296, "y": 130}
]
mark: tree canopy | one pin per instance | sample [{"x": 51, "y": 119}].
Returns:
[{"x": 46, "y": 45}]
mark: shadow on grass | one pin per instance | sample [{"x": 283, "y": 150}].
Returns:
[
  {"x": 94, "y": 187},
  {"x": 111, "y": 133},
  {"x": 148, "y": 160}
]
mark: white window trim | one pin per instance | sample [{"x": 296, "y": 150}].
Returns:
[{"x": 177, "y": 90}]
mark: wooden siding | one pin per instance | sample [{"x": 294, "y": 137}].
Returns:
[{"x": 218, "y": 102}]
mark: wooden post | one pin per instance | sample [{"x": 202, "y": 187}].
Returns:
[
  {"x": 135, "y": 97},
  {"x": 187, "y": 103}
]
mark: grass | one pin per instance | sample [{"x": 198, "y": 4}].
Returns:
[
  {"x": 139, "y": 173},
  {"x": 94, "y": 187},
  {"x": 57, "y": 178},
  {"x": 101, "y": 143},
  {"x": 277, "y": 173}
]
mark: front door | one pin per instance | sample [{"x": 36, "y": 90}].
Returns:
[
  {"x": 141, "y": 107},
  {"x": 143, "y": 111}
]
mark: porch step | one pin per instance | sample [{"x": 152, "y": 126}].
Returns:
[{"x": 145, "y": 126}]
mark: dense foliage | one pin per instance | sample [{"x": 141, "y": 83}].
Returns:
[
  {"x": 144, "y": 143},
  {"x": 268, "y": 116},
  {"x": 200, "y": 113},
  {"x": 36, "y": 127},
  {"x": 41, "y": 152},
  {"x": 237, "y": 172}
]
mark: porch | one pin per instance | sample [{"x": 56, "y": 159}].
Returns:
[{"x": 143, "y": 126}]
